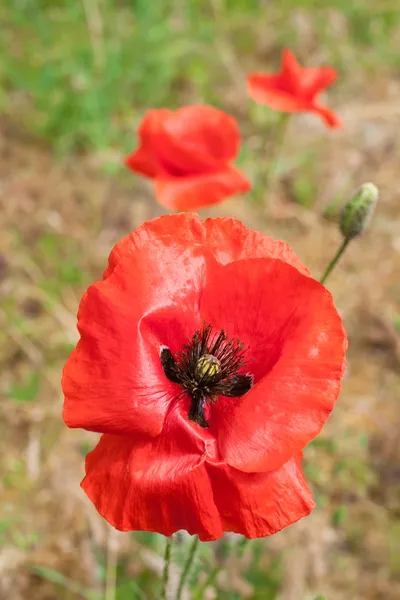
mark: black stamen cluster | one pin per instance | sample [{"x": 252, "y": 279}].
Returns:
[{"x": 208, "y": 367}]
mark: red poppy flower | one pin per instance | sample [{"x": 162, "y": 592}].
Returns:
[
  {"x": 294, "y": 89},
  {"x": 188, "y": 154},
  {"x": 208, "y": 359}
]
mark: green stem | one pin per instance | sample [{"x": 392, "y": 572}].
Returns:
[
  {"x": 335, "y": 260},
  {"x": 223, "y": 551},
  {"x": 187, "y": 567},
  {"x": 267, "y": 176},
  {"x": 167, "y": 562}
]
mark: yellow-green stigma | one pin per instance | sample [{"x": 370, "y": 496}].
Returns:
[{"x": 207, "y": 366}]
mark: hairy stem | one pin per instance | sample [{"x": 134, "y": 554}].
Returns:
[
  {"x": 187, "y": 567},
  {"x": 167, "y": 562},
  {"x": 335, "y": 260}
]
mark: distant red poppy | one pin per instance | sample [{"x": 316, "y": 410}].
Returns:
[
  {"x": 209, "y": 358},
  {"x": 294, "y": 89},
  {"x": 188, "y": 154}
]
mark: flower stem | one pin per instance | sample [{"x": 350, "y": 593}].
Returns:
[
  {"x": 335, "y": 260},
  {"x": 267, "y": 176},
  {"x": 167, "y": 562},
  {"x": 187, "y": 567}
]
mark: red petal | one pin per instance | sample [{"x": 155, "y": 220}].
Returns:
[
  {"x": 292, "y": 71},
  {"x": 113, "y": 382},
  {"x": 228, "y": 240},
  {"x": 290, "y": 64},
  {"x": 315, "y": 80},
  {"x": 189, "y": 193},
  {"x": 297, "y": 344},
  {"x": 158, "y": 484},
  {"x": 306, "y": 82},
  {"x": 177, "y": 482},
  {"x": 144, "y": 160},
  {"x": 260, "y": 504},
  {"x": 274, "y": 92},
  {"x": 328, "y": 116},
  {"x": 278, "y": 99},
  {"x": 197, "y": 139},
  {"x": 294, "y": 89},
  {"x": 185, "y": 226}
]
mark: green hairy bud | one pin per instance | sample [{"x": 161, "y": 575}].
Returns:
[{"x": 357, "y": 213}]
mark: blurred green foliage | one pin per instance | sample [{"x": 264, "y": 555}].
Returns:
[
  {"x": 64, "y": 584},
  {"x": 28, "y": 390},
  {"x": 81, "y": 72}
]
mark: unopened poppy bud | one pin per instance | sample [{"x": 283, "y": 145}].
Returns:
[
  {"x": 207, "y": 366},
  {"x": 357, "y": 213}
]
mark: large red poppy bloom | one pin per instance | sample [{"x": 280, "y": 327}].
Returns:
[
  {"x": 188, "y": 154},
  {"x": 294, "y": 89},
  {"x": 208, "y": 359}
]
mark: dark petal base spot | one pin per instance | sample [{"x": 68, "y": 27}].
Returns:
[
  {"x": 169, "y": 365},
  {"x": 196, "y": 412},
  {"x": 239, "y": 385}
]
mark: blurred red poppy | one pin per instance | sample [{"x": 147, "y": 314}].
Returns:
[
  {"x": 208, "y": 359},
  {"x": 188, "y": 154},
  {"x": 294, "y": 89}
]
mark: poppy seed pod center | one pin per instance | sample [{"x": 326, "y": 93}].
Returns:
[{"x": 208, "y": 366}]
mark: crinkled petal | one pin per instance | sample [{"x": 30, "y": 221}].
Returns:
[
  {"x": 188, "y": 193},
  {"x": 260, "y": 504},
  {"x": 144, "y": 160},
  {"x": 154, "y": 484},
  {"x": 113, "y": 381},
  {"x": 227, "y": 239},
  {"x": 177, "y": 481},
  {"x": 296, "y": 354},
  {"x": 230, "y": 240}
]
